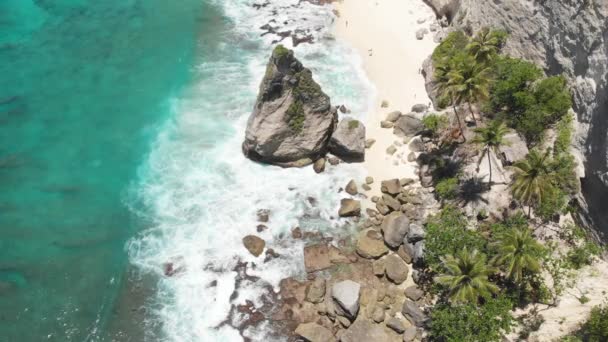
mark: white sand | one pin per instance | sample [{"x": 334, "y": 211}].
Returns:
[{"x": 387, "y": 29}]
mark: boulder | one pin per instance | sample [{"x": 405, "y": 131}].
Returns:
[
  {"x": 393, "y": 116},
  {"x": 404, "y": 255},
  {"x": 314, "y": 332},
  {"x": 408, "y": 125},
  {"x": 319, "y": 165},
  {"x": 391, "y": 202},
  {"x": 346, "y": 295},
  {"x": 414, "y": 293},
  {"x": 413, "y": 313},
  {"x": 378, "y": 314},
  {"x": 418, "y": 256},
  {"x": 391, "y": 186},
  {"x": 363, "y": 330},
  {"x": 514, "y": 149},
  {"x": 428, "y": 71},
  {"x": 263, "y": 215},
  {"x": 378, "y": 267},
  {"x": 421, "y": 33},
  {"x": 316, "y": 257},
  {"x": 369, "y": 180},
  {"x": 396, "y": 324},
  {"x": 391, "y": 150},
  {"x": 416, "y": 233},
  {"x": 351, "y": 188},
  {"x": 396, "y": 269},
  {"x": 348, "y": 141},
  {"x": 416, "y": 145},
  {"x": 369, "y": 143},
  {"x": 315, "y": 292},
  {"x": 395, "y": 227},
  {"x": 254, "y": 244},
  {"x": 409, "y": 334},
  {"x": 386, "y": 124},
  {"x": 292, "y": 120},
  {"x": 411, "y": 157},
  {"x": 382, "y": 207},
  {"x": 349, "y": 208},
  {"x": 420, "y": 108},
  {"x": 370, "y": 244}
]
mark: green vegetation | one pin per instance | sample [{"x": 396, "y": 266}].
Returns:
[
  {"x": 447, "y": 189},
  {"x": 280, "y": 51},
  {"x": 518, "y": 253},
  {"x": 492, "y": 138},
  {"x": 295, "y": 116},
  {"x": 353, "y": 124},
  {"x": 595, "y": 329},
  {"x": 435, "y": 123},
  {"x": 465, "y": 276},
  {"x": 531, "y": 179},
  {"x": 472, "y": 322},
  {"x": 486, "y": 44},
  {"x": 305, "y": 90}
]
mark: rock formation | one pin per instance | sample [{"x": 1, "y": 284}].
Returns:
[
  {"x": 292, "y": 120},
  {"x": 569, "y": 37}
]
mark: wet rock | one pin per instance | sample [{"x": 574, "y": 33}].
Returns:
[
  {"x": 254, "y": 244},
  {"x": 319, "y": 165},
  {"x": 414, "y": 293},
  {"x": 351, "y": 188},
  {"x": 391, "y": 186},
  {"x": 413, "y": 313},
  {"x": 271, "y": 254},
  {"x": 395, "y": 227},
  {"x": 349, "y": 208},
  {"x": 314, "y": 332},
  {"x": 408, "y": 125},
  {"x": 293, "y": 119},
  {"x": 348, "y": 141},
  {"x": 260, "y": 228},
  {"x": 315, "y": 292},
  {"x": 316, "y": 258},
  {"x": 396, "y": 269},
  {"x": 333, "y": 161},
  {"x": 393, "y": 116},
  {"x": 363, "y": 330},
  {"x": 296, "y": 233},
  {"x": 346, "y": 295},
  {"x": 370, "y": 244},
  {"x": 263, "y": 215}
]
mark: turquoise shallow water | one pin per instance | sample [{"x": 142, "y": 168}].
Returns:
[{"x": 84, "y": 86}]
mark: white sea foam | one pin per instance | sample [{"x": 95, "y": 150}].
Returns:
[{"x": 201, "y": 194}]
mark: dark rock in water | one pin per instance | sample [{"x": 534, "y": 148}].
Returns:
[
  {"x": 348, "y": 141},
  {"x": 293, "y": 119},
  {"x": 316, "y": 257},
  {"x": 349, "y": 208},
  {"x": 254, "y": 244},
  {"x": 319, "y": 165}
]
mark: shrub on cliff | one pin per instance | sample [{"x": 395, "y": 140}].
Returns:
[{"x": 595, "y": 329}]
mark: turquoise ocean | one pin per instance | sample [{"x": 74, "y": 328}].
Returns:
[{"x": 120, "y": 131}]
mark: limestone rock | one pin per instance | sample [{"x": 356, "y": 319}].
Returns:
[
  {"x": 396, "y": 269},
  {"x": 391, "y": 186},
  {"x": 408, "y": 125},
  {"x": 348, "y": 141},
  {"x": 319, "y": 165},
  {"x": 370, "y": 244},
  {"x": 315, "y": 292},
  {"x": 346, "y": 296},
  {"x": 412, "y": 312},
  {"x": 316, "y": 257},
  {"x": 314, "y": 332},
  {"x": 395, "y": 227},
  {"x": 349, "y": 208},
  {"x": 351, "y": 188},
  {"x": 363, "y": 330},
  {"x": 254, "y": 244},
  {"x": 292, "y": 120}
]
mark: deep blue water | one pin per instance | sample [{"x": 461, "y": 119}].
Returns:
[{"x": 84, "y": 86}]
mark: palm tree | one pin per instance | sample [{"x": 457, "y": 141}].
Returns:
[
  {"x": 531, "y": 178},
  {"x": 486, "y": 44},
  {"x": 518, "y": 252},
  {"x": 467, "y": 276},
  {"x": 470, "y": 82},
  {"x": 443, "y": 79},
  {"x": 492, "y": 137}
]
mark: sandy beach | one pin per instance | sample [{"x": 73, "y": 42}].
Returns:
[{"x": 384, "y": 34}]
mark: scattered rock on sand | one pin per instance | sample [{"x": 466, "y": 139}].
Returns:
[
  {"x": 386, "y": 124},
  {"x": 395, "y": 227},
  {"x": 384, "y": 104},
  {"x": 391, "y": 150},
  {"x": 396, "y": 324},
  {"x": 396, "y": 269},
  {"x": 369, "y": 180},
  {"x": 315, "y": 292},
  {"x": 378, "y": 267},
  {"x": 420, "y": 108},
  {"x": 393, "y": 116},
  {"x": 408, "y": 125},
  {"x": 346, "y": 296},
  {"x": 254, "y": 244},
  {"x": 292, "y": 118},
  {"x": 378, "y": 314},
  {"x": 416, "y": 145},
  {"x": 421, "y": 33},
  {"x": 351, "y": 188},
  {"x": 410, "y": 334},
  {"x": 391, "y": 186},
  {"x": 263, "y": 215},
  {"x": 369, "y": 143},
  {"x": 348, "y": 141},
  {"x": 370, "y": 244},
  {"x": 314, "y": 332},
  {"x": 413, "y": 313},
  {"x": 406, "y": 181},
  {"x": 414, "y": 293},
  {"x": 404, "y": 255},
  {"x": 333, "y": 161},
  {"x": 319, "y": 165},
  {"x": 411, "y": 157},
  {"x": 349, "y": 208},
  {"x": 316, "y": 258}
]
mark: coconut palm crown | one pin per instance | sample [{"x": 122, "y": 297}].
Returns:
[
  {"x": 492, "y": 137},
  {"x": 517, "y": 253}
]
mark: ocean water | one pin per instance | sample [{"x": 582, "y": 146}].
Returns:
[
  {"x": 120, "y": 127},
  {"x": 84, "y": 88}
]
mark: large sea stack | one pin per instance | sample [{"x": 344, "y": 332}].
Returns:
[{"x": 293, "y": 119}]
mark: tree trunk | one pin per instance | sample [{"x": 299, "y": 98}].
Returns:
[
  {"x": 529, "y": 209},
  {"x": 489, "y": 165},
  {"x": 464, "y": 139},
  {"x": 472, "y": 113}
]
